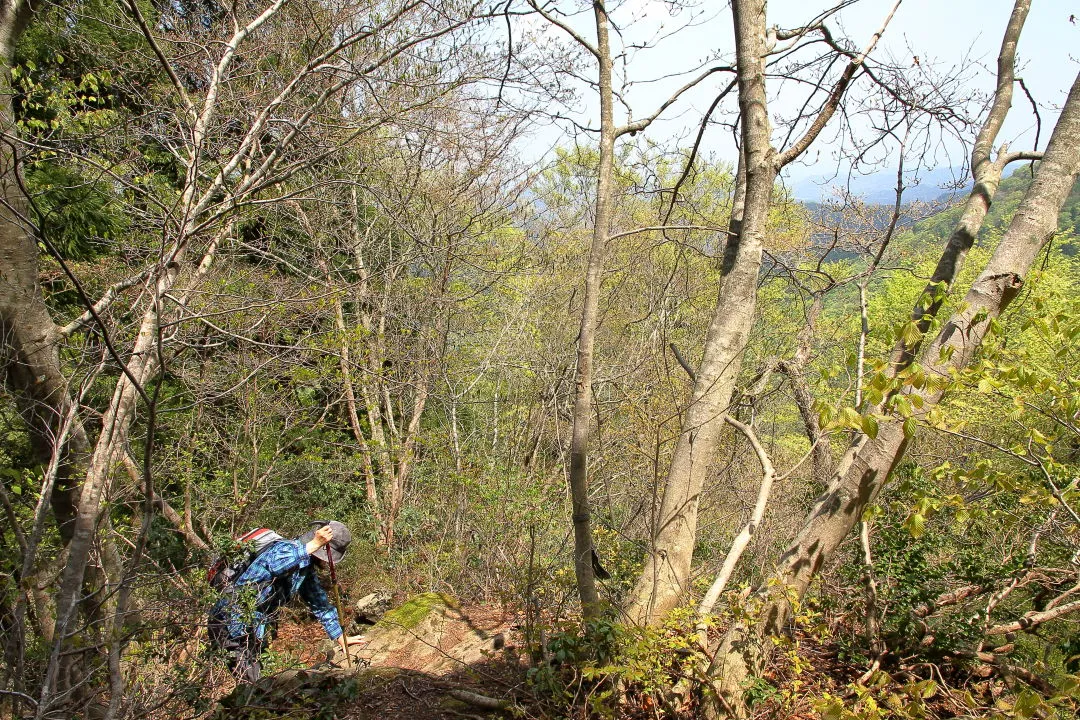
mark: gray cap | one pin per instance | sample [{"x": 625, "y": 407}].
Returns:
[{"x": 337, "y": 545}]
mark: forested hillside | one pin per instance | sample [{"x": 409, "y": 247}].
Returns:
[
  {"x": 619, "y": 430},
  {"x": 1006, "y": 200}
]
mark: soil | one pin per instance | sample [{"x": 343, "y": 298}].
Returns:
[{"x": 399, "y": 684}]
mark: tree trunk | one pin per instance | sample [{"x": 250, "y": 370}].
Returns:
[
  {"x": 30, "y": 337},
  {"x": 399, "y": 475},
  {"x": 867, "y": 464},
  {"x": 586, "y": 340},
  {"x": 106, "y": 458},
  {"x": 345, "y": 365},
  {"x": 667, "y": 565},
  {"x": 986, "y": 172}
]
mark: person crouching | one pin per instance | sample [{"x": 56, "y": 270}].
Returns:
[{"x": 248, "y": 611}]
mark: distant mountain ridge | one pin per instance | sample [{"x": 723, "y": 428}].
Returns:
[
  {"x": 1010, "y": 192},
  {"x": 935, "y": 228},
  {"x": 880, "y": 188}
]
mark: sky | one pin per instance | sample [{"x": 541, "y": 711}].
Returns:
[{"x": 954, "y": 35}]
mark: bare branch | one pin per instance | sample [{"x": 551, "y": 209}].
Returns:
[
  {"x": 946, "y": 599},
  {"x": 833, "y": 102},
  {"x": 103, "y": 304},
  {"x": 655, "y": 228},
  {"x": 742, "y": 540},
  {"x": 136, "y": 13},
  {"x": 577, "y": 37},
  {"x": 1020, "y": 155},
  {"x": 1034, "y": 618},
  {"x": 683, "y": 361},
  {"x": 638, "y": 125},
  {"x": 697, "y": 144}
]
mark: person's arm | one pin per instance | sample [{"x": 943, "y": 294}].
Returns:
[
  {"x": 322, "y": 536},
  {"x": 313, "y": 595},
  {"x": 284, "y": 557},
  {"x": 279, "y": 559}
]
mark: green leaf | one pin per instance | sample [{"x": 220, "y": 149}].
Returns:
[
  {"x": 870, "y": 426},
  {"x": 910, "y": 334},
  {"x": 927, "y": 689},
  {"x": 1027, "y": 704},
  {"x": 909, "y": 428},
  {"x": 916, "y": 525},
  {"x": 849, "y": 417}
]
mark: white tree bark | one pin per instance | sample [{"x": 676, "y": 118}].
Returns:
[
  {"x": 664, "y": 579},
  {"x": 867, "y": 464}
]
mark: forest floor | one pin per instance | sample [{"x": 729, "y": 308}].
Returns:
[
  {"x": 401, "y": 683},
  {"x": 416, "y": 674}
]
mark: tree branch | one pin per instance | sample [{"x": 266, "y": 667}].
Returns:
[
  {"x": 577, "y": 37},
  {"x": 136, "y": 13},
  {"x": 742, "y": 540},
  {"x": 1020, "y": 155},
  {"x": 654, "y": 228},
  {"x": 638, "y": 125},
  {"x": 103, "y": 304},
  {"x": 683, "y": 361},
  {"x": 835, "y": 96},
  {"x": 1034, "y": 618}
]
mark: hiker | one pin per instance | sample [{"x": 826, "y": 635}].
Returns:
[{"x": 239, "y": 621}]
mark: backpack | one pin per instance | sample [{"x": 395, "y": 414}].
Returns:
[{"x": 223, "y": 572}]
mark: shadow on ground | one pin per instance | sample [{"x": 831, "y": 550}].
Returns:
[{"x": 422, "y": 660}]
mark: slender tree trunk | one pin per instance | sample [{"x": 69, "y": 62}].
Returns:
[
  {"x": 586, "y": 340},
  {"x": 667, "y": 565},
  {"x": 986, "y": 171},
  {"x": 821, "y": 448},
  {"x": 345, "y": 365},
  {"x": 105, "y": 460},
  {"x": 405, "y": 457}
]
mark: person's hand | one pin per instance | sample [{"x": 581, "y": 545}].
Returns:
[
  {"x": 322, "y": 536},
  {"x": 345, "y": 641}
]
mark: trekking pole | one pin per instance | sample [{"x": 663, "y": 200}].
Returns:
[{"x": 337, "y": 603}]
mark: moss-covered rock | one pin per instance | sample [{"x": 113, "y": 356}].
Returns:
[
  {"x": 429, "y": 633},
  {"x": 415, "y": 610}
]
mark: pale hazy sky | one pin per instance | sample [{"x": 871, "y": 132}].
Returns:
[{"x": 953, "y": 33}]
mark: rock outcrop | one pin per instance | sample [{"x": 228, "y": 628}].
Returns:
[
  {"x": 430, "y": 633},
  {"x": 371, "y": 607}
]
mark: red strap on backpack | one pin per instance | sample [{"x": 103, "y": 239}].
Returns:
[{"x": 254, "y": 535}]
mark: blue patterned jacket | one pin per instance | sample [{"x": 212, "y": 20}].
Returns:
[{"x": 281, "y": 571}]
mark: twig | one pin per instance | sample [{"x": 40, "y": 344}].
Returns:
[
  {"x": 22, "y": 696},
  {"x": 742, "y": 540},
  {"x": 683, "y": 362}
]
